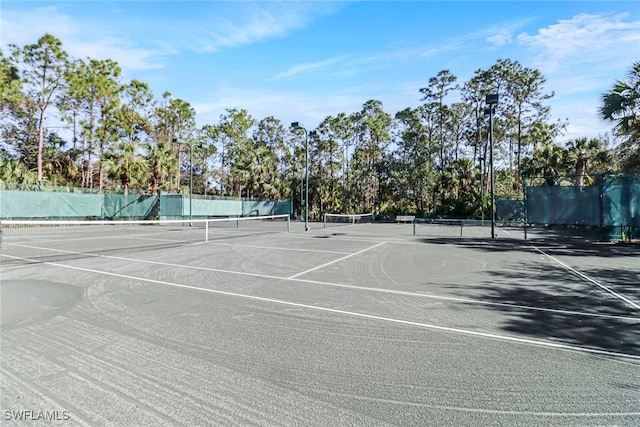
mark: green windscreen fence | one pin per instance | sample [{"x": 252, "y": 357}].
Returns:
[
  {"x": 612, "y": 203},
  {"x": 171, "y": 205},
  {"x": 563, "y": 205},
  {"x": 45, "y": 204},
  {"x": 510, "y": 210},
  {"x": 621, "y": 202},
  {"x": 130, "y": 206},
  {"x": 65, "y": 204}
]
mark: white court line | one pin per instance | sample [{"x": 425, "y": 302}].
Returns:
[
  {"x": 186, "y": 242},
  {"x": 352, "y": 313},
  {"x": 339, "y": 285},
  {"x": 278, "y": 248},
  {"x": 589, "y": 279},
  {"x": 336, "y": 260},
  {"x": 485, "y": 411}
]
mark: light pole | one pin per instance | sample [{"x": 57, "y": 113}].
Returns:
[
  {"x": 492, "y": 101},
  {"x": 175, "y": 141},
  {"x": 312, "y": 133},
  {"x": 481, "y": 159},
  {"x": 296, "y": 125}
]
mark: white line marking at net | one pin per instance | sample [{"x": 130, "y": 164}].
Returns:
[
  {"x": 589, "y": 279},
  {"x": 334, "y": 261},
  {"x": 355, "y": 314},
  {"x": 277, "y": 248}
]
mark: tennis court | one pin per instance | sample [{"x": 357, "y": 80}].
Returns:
[{"x": 355, "y": 323}]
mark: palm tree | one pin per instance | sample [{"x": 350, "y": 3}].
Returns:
[
  {"x": 127, "y": 165},
  {"x": 465, "y": 174},
  {"x": 548, "y": 160},
  {"x": 13, "y": 171},
  {"x": 621, "y": 105},
  {"x": 163, "y": 164},
  {"x": 583, "y": 153}
]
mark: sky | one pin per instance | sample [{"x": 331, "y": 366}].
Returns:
[{"x": 306, "y": 60}]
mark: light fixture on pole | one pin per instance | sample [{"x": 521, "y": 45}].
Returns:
[
  {"x": 492, "y": 100},
  {"x": 175, "y": 141},
  {"x": 296, "y": 125}
]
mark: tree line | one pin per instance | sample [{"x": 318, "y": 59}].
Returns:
[{"x": 74, "y": 122}]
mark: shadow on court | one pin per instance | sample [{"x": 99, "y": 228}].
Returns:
[
  {"x": 561, "y": 245},
  {"x": 604, "y": 333},
  {"x": 549, "y": 290}
]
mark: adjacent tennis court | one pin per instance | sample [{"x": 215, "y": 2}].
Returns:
[{"x": 350, "y": 323}]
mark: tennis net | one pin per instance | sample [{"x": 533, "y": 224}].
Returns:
[
  {"x": 346, "y": 219},
  {"x": 51, "y": 240},
  {"x": 444, "y": 227}
]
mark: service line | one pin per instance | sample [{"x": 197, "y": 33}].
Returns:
[
  {"x": 337, "y": 285},
  {"x": 498, "y": 337},
  {"x": 336, "y": 260}
]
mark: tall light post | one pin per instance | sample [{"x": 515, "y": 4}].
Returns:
[
  {"x": 175, "y": 141},
  {"x": 296, "y": 125},
  {"x": 492, "y": 100},
  {"x": 481, "y": 159},
  {"x": 312, "y": 133}
]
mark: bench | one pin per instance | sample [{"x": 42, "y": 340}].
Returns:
[{"x": 405, "y": 218}]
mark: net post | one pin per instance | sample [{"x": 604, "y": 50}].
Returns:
[
  {"x": 206, "y": 231},
  {"x": 414, "y": 226},
  {"x": 288, "y": 223},
  {"x": 324, "y": 220},
  {"x": 461, "y": 225}
]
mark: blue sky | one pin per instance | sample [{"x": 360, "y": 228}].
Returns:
[{"x": 305, "y": 60}]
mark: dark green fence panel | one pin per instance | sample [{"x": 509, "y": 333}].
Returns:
[
  {"x": 44, "y": 204},
  {"x": 131, "y": 206},
  {"x": 257, "y": 207},
  {"x": 82, "y": 204},
  {"x": 563, "y": 205},
  {"x": 510, "y": 210},
  {"x": 206, "y": 208},
  {"x": 621, "y": 202},
  {"x": 284, "y": 207},
  {"x": 171, "y": 206}
]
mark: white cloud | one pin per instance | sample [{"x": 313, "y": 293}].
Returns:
[
  {"x": 286, "y": 106},
  {"x": 501, "y": 39},
  {"x": 310, "y": 109},
  {"x": 251, "y": 22},
  {"x": 109, "y": 37},
  {"x": 23, "y": 28},
  {"x": 584, "y": 39},
  {"x": 78, "y": 39},
  {"x": 585, "y": 120},
  {"x": 301, "y": 68},
  {"x": 497, "y": 35},
  {"x": 581, "y": 57}
]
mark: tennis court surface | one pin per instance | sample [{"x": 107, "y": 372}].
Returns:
[{"x": 353, "y": 324}]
